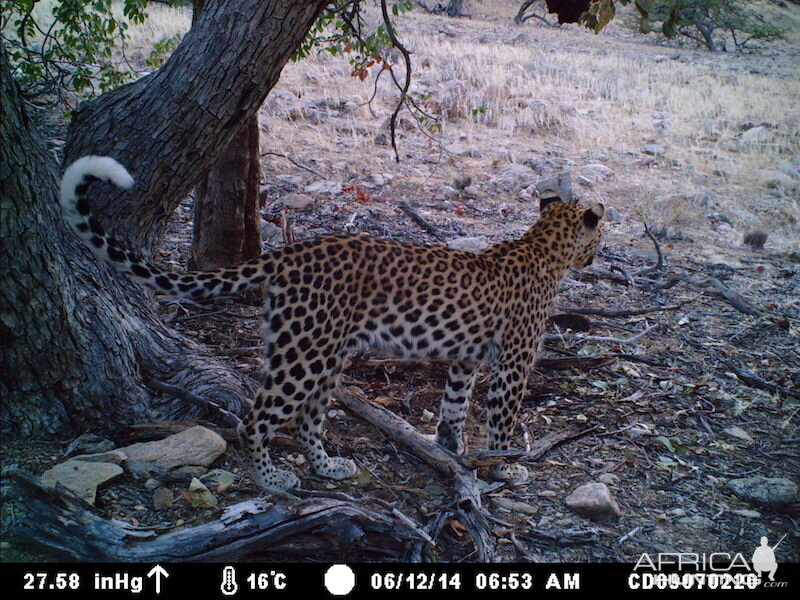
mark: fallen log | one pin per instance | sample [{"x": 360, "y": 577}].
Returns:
[
  {"x": 59, "y": 524},
  {"x": 466, "y": 507}
]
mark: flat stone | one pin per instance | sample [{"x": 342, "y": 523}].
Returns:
[
  {"x": 756, "y": 135},
  {"x": 112, "y": 456},
  {"x": 325, "y": 187},
  {"x": 195, "y": 446},
  {"x": 81, "y": 477},
  {"x": 475, "y": 245},
  {"x": 594, "y": 500},
  {"x": 597, "y": 172},
  {"x": 516, "y": 176},
  {"x": 765, "y": 491},
  {"x": 162, "y": 498},
  {"x": 654, "y": 150},
  {"x": 296, "y": 201}
]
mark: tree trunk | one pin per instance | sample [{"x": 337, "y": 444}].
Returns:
[
  {"x": 77, "y": 342},
  {"x": 169, "y": 128},
  {"x": 226, "y": 230}
]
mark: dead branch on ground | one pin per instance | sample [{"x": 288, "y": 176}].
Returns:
[{"x": 60, "y": 524}]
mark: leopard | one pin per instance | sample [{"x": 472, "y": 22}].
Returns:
[{"x": 337, "y": 294}]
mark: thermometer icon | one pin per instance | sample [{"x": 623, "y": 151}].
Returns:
[{"x": 229, "y": 586}]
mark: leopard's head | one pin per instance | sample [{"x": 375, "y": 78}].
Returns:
[{"x": 573, "y": 231}]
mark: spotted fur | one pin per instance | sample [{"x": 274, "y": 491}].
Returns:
[{"x": 336, "y": 294}]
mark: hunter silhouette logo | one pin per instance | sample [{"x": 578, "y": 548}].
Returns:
[{"x": 764, "y": 558}]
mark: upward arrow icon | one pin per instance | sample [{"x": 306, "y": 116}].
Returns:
[{"x": 158, "y": 571}]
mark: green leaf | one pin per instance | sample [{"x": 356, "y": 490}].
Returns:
[{"x": 666, "y": 442}]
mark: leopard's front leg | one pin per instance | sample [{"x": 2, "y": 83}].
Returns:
[{"x": 503, "y": 404}]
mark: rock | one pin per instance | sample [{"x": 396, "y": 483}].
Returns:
[
  {"x": 271, "y": 234},
  {"x": 162, "y": 498},
  {"x": 198, "y": 495},
  {"x": 515, "y": 506},
  {"x": 703, "y": 198},
  {"x": 448, "y": 192},
  {"x": 612, "y": 215},
  {"x": 296, "y": 201},
  {"x": 293, "y": 180},
  {"x": 654, "y": 150},
  {"x": 459, "y": 149},
  {"x": 374, "y": 181},
  {"x": 755, "y": 135},
  {"x": 773, "y": 178},
  {"x": 324, "y": 187},
  {"x": 765, "y": 491},
  {"x": 698, "y": 522},
  {"x": 90, "y": 443},
  {"x": 476, "y": 245},
  {"x": 516, "y": 176},
  {"x": 608, "y": 478},
  {"x": 116, "y": 457},
  {"x": 219, "y": 479},
  {"x": 560, "y": 182},
  {"x": 194, "y": 446},
  {"x": 597, "y": 172},
  {"x": 81, "y": 477},
  {"x": 594, "y": 500},
  {"x": 585, "y": 181}
]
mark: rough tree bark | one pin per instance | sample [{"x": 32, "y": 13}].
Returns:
[
  {"x": 170, "y": 127},
  {"x": 78, "y": 343},
  {"x": 226, "y": 230}
]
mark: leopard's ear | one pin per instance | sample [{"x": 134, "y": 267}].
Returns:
[
  {"x": 592, "y": 216},
  {"x": 546, "y": 198}
]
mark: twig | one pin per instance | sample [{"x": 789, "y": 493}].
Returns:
[
  {"x": 294, "y": 162},
  {"x": 598, "y": 338},
  {"x": 631, "y": 312},
  {"x": 467, "y": 505},
  {"x": 659, "y": 256},
  {"x": 433, "y": 230},
  {"x": 751, "y": 379},
  {"x": 286, "y": 229},
  {"x": 538, "y": 449},
  {"x": 523, "y": 551},
  {"x": 407, "y": 58},
  {"x": 715, "y": 288}
]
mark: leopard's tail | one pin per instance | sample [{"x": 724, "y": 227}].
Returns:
[{"x": 192, "y": 284}]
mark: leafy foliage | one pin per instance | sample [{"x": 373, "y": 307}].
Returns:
[
  {"x": 67, "y": 45},
  {"x": 342, "y": 30},
  {"x": 708, "y": 21},
  {"x": 699, "y": 20}
]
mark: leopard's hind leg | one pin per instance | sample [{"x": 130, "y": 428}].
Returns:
[
  {"x": 455, "y": 406},
  {"x": 255, "y": 434},
  {"x": 308, "y": 428}
]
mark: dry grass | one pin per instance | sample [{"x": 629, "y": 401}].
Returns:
[
  {"x": 532, "y": 90},
  {"x": 511, "y": 93}
]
